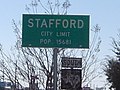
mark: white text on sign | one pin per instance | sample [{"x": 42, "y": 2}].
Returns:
[{"x": 55, "y": 23}]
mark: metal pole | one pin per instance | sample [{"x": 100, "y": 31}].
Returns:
[{"x": 55, "y": 51}]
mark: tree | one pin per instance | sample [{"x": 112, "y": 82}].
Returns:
[
  {"x": 113, "y": 73},
  {"x": 34, "y": 66},
  {"x": 91, "y": 63},
  {"x": 112, "y": 69}
]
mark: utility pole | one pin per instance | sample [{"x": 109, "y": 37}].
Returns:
[{"x": 55, "y": 51}]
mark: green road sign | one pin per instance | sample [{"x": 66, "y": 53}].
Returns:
[{"x": 62, "y": 31}]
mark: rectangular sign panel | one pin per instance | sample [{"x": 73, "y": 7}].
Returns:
[
  {"x": 62, "y": 31},
  {"x": 71, "y": 79},
  {"x": 71, "y": 62}
]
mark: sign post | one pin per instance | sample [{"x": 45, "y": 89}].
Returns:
[{"x": 55, "y": 51}]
